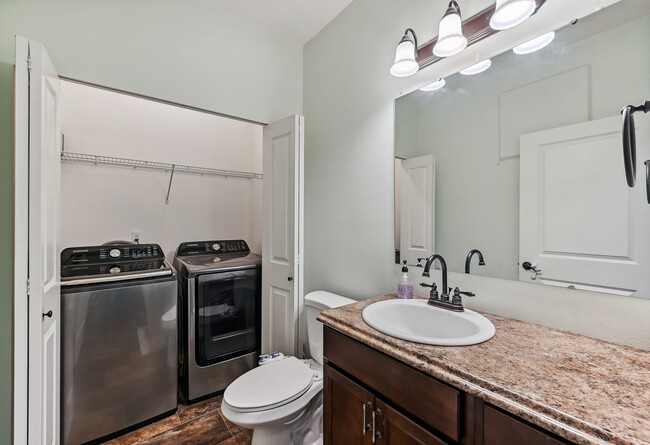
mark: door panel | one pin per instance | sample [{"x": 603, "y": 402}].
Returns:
[
  {"x": 396, "y": 429},
  {"x": 417, "y": 210},
  {"x": 282, "y": 237},
  {"x": 44, "y": 204},
  {"x": 347, "y": 405},
  {"x": 579, "y": 222}
]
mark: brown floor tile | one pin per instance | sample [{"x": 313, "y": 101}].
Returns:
[
  {"x": 198, "y": 409},
  {"x": 243, "y": 438},
  {"x": 207, "y": 430},
  {"x": 148, "y": 431}
]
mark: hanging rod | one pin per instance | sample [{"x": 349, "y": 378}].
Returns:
[{"x": 159, "y": 166}]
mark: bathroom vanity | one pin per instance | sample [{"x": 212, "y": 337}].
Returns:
[{"x": 529, "y": 384}]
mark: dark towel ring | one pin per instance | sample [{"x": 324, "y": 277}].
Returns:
[
  {"x": 629, "y": 145},
  {"x": 629, "y": 141}
]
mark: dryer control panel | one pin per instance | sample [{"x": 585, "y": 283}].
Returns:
[{"x": 212, "y": 247}]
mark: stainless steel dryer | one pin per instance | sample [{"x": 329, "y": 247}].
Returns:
[
  {"x": 220, "y": 290},
  {"x": 118, "y": 348}
]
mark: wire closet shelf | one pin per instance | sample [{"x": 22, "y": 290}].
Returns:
[
  {"x": 157, "y": 166},
  {"x": 153, "y": 165}
]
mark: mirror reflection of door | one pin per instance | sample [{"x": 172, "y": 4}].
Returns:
[
  {"x": 414, "y": 208},
  {"x": 580, "y": 224}
]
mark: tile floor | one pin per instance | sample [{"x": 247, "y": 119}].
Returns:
[{"x": 199, "y": 424}]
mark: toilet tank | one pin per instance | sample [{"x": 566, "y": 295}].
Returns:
[{"x": 315, "y": 303}]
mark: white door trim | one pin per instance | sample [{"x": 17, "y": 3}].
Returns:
[{"x": 20, "y": 248}]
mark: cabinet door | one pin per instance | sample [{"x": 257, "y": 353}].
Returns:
[
  {"x": 500, "y": 428},
  {"x": 348, "y": 411},
  {"x": 393, "y": 428}
]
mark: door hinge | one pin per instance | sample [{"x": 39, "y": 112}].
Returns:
[
  {"x": 28, "y": 288},
  {"x": 29, "y": 63}
]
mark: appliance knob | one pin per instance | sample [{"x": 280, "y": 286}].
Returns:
[
  {"x": 114, "y": 270},
  {"x": 216, "y": 246},
  {"x": 115, "y": 253}
]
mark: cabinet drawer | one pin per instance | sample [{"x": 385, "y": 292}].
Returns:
[
  {"x": 501, "y": 428},
  {"x": 431, "y": 401}
]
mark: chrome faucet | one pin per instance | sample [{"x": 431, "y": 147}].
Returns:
[
  {"x": 471, "y": 253},
  {"x": 443, "y": 266}
]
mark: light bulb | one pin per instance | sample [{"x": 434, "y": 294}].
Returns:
[
  {"x": 535, "y": 44},
  {"x": 450, "y": 33},
  {"x": 477, "y": 67},
  {"x": 510, "y": 13},
  {"x": 405, "y": 64},
  {"x": 435, "y": 85}
]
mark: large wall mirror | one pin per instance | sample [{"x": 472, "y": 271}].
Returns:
[{"x": 524, "y": 161}]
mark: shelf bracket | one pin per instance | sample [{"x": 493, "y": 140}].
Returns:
[{"x": 169, "y": 188}]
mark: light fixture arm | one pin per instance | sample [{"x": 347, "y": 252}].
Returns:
[
  {"x": 453, "y": 8},
  {"x": 415, "y": 40}
]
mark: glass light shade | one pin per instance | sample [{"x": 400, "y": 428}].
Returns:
[
  {"x": 477, "y": 67},
  {"x": 436, "y": 85},
  {"x": 510, "y": 13},
  {"x": 405, "y": 63},
  {"x": 535, "y": 44},
  {"x": 450, "y": 36}
]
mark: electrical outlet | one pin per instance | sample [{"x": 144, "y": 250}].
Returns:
[{"x": 136, "y": 235}]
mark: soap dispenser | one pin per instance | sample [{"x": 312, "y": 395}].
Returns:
[{"x": 404, "y": 287}]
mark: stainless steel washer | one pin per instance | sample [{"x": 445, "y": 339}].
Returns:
[
  {"x": 220, "y": 302},
  {"x": 119, "y": 340}
]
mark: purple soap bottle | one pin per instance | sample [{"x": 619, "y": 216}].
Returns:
[{"x": 404, "y": 287}]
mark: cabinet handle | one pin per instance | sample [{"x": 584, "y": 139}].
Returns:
[
  {"x": 375, "y": 434},
  {"x": 366, "y": 427}
]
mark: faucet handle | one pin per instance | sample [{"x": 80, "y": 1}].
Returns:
[{"x": 434, "y": 289}]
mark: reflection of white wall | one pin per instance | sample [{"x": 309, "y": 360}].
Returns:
[
  {"x": 477, "y": 197},
  {"x": 101, "y": 203}
]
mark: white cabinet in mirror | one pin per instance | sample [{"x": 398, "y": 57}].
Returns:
[{"x": 529, "y": 159}]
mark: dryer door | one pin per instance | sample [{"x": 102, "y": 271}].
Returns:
[{"x": 228, "y": 306}]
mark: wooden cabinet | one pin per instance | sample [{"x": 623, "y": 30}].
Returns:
[
  {"x": 371, "y": 398},
  {"x": 353, "y": 415}
]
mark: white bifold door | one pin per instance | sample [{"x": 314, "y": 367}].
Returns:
[
  {"x": 282, "y": 240},
  {"x": 580, "y": 224},
  {"x": 38, "y": 160},
  {"x": 417, "y": 208}
]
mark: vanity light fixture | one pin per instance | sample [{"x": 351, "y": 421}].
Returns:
[
  {"x": 433, "y": 86},
  {"x": 477, "y": 67},
  {"x": 450, "y": 33},
  {"x": 510, "y": 13},
  {"x": 405, "y": 56},
  {"x": 535, "y": 44}
]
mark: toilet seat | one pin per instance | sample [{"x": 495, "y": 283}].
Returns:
[{"x": 270, "y": 386}]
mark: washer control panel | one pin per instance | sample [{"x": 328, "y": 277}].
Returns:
[
  {"x": 212, "y": 247},
  {"x": 110, "y": 253}
]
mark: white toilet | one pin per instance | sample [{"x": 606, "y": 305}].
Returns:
[{"x": 282, "y": 400}]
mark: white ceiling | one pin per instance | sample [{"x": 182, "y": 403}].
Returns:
[{"x": 297, "y": 20}]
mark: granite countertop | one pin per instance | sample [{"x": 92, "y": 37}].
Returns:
[{"x": 583, "y": 389}]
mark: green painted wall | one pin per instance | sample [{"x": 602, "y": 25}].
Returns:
[{"x": 6, "y": 246}]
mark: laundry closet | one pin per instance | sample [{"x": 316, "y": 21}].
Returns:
[{"x": 113, "y": 199}]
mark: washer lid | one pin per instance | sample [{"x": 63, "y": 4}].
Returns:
[{"x": 270, "y": 385}]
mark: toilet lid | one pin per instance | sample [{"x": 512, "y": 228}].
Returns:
[{"x": 270, "y": 385}]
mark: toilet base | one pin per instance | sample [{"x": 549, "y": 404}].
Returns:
[{"x": 304, "y": 429}]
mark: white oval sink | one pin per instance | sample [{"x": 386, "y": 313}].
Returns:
[{"x": 416, "y": 321}]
